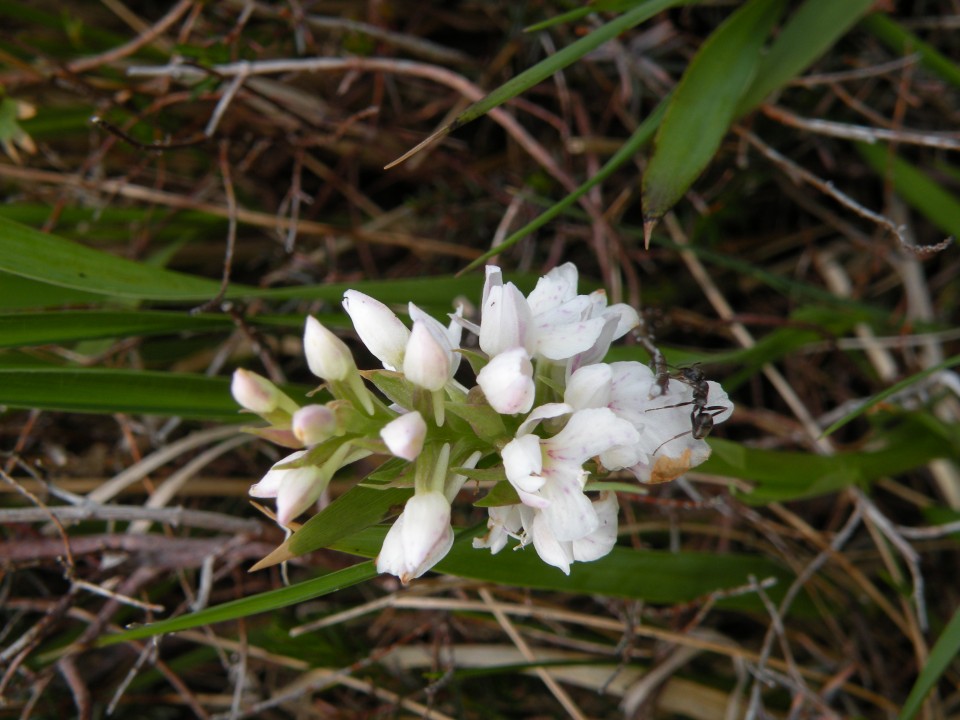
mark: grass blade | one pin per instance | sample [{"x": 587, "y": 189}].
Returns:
[
  {"x": 894, "y": 36},
  {"x": 703, "y": 106},
  {"x": 916, "y": 187},
  {"x": 809, "y": 33},
  {"x": 545, "y": 68},
  {"x": 944, "y": 652},
  {"x": 245, "y": 607}
]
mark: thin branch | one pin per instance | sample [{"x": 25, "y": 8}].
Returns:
[{"x": 175, "y": 516}]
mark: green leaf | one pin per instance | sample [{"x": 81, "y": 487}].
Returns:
[
  {"x": 916, "y": 187},
  {"x": 894, "y": 36},
  {"x": 245, "y": 607},
  {"x": 944, "y": 652},
  {"x": 358, "y": 508},
  {"x": 111, "y": 391},
  {"x": 29, "y": 253},
  {"x": 547, "y": 67},
  {"x": 783, "y": 476},
  {"x": 892, "y": 390},
  {"x": 654, "y": 576},
  {"x": 42, "y": 328},
  {"x": 808, "y": 34},
  {"x": 20, "y": 293},
  {"x": 704, "y": 104}
]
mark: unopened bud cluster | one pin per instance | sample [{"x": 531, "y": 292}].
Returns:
[{"x": 544, "y": 416}]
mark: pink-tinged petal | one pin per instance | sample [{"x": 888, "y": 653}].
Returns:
[
  {"x": 523, "y": 463},
  {"x": 378, "y": 327},
  {"x": 313, "y": 424},
  {"x": 532, "y": 500},
  {"x": 551, "y": 551},
  {"x": 257, "y": 394},
  {"x": 507, "y": 382},
  {"x": 269, "y": 485},
  {"x": 587, "y": 433},
  {"x": 553, "y": 289},
  {"x": 327, "y": 355},
  {"x": 570, "y": 513},
  {"x": 601, "y": 541},
  {"x": 404, "y": 435}
]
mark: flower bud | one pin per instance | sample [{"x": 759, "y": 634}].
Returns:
[
  {"x": 404, "y": 435},
  {"x": 327, "y": 355},
  {"x": 257, "y": 394},
  {"x": 313, "y": 424},
  {"x": 379, "y": 329},
  {"x": 419, "y": 539},
  {"x": 426, "y": 362},
  {"x": 295, "y": 488},
  {"x": 507, "y": 382}
]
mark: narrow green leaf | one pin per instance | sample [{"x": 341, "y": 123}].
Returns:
[
  {"x": 944, "y": 652},
  {"x": 809, "y": 33},
  {"x": 582, "y": 12},
  {"x": 782, "y": 476},
  {"x": 654, "y": 576},
  {"x": 358, "y": 508},
  {"x": 42, "y": 328},
  {"x": 29, "y": 253},
  {"x": 704, "y": 104},
  {"x": 245, "y": 607},
  {"x": 111, "y": 391},
  {"x": 892, "y": 390},
  {"x": 547, "y": 67},
  {"x": 637, "y": 140},
  {"x": 894, "y": 36},
  {"x": 18, "y": 292},
  {"x": 916, "y": 187}
]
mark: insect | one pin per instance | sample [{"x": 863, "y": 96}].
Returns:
[{"x": 701, "y": 414}]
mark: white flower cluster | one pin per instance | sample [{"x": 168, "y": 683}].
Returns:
[{"x": 545, "y": 413}]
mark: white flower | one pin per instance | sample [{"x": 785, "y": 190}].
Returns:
[
  {"x": 380, "y": 330},
  {"x": 530, "y": 525},
  {"x": 313, "y": 424},
  {"x": 507, "y": 382},
  {"x": 548, "y": 473},
  {"x": 295, "y": 488},
  {"x": 553, "y": 321},
  {"x": 667, "y": 447},
  {"x": 419, "y": 538},
  {"x": 257, "y": 394},
  {"x": 404, "y": 435},
  {"x": 327, "y": 355}
]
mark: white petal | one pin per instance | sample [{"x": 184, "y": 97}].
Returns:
[
  {"x": 543, "y": 412},
  {"x": 601, "y": 541},
  {"x": 551, "y": 551},
  {"x": 327, "y": 355},
  {"x": 589, "y": 387},
  {"x": 379, "y": 329},
  {"x": 404, "y": 435},
  {"x": 269, "y": 485},
  {"x": 587, "y": 433},
  {"x": 505, "y": 320},
  {"x": 523, "y": 463},
  {"x": 570, "y": 513},
  {"x": 507, "y": 382},
  {"x": 553, "y": 289},
  {"x": 560, "y": 342},
  {"x": 419, "y": 539},
  {"x": 426, "y": 362}
]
